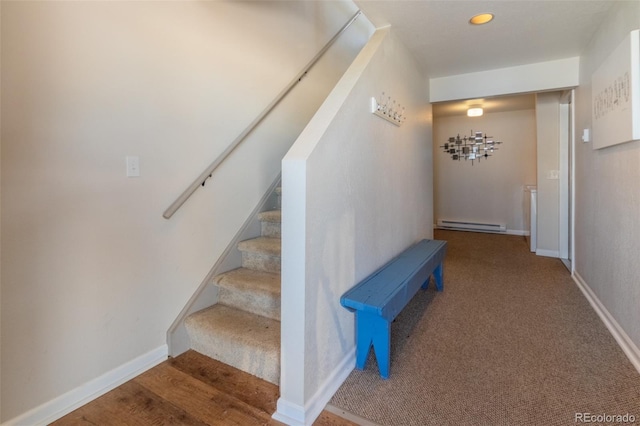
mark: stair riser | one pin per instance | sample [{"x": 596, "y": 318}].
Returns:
[
  {"x": 261, "y": 364},
  {"x": 248, "y": 342},
  {"x": 243, "y": 328},
  {"x": 279, "y": 197},
  {"x": 265, "y": 304},
  {"x": 261, "y": 262},
  {"x": 271, "y": 230}
]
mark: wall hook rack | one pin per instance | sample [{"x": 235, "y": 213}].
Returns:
[{"x": 388, "y": 109}]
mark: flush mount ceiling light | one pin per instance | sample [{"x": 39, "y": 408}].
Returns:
[
  {"x": 482, "y": 18},
  {"x": 474, "y": 111}
]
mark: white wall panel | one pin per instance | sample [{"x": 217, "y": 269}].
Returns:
[
  {"x": 541, "y": 76},
  {"x": 357, "y": 190},
  {"x": 607, "y": 230}
]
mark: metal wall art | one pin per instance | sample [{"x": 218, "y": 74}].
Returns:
[{"x": 474, "y": 147}]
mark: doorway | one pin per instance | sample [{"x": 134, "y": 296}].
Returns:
[{"x": 566, "y": 175}]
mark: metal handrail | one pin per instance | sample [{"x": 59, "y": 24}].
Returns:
[{"x": 209, "y": 170}]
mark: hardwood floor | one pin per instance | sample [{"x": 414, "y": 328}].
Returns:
[{"x": 190, "y": 389}]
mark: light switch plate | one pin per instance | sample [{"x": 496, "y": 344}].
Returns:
[
  {"x": 133, "y": 166},
  {"x": 553, "y": 174}
]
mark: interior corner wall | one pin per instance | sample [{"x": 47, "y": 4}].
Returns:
[
  {"x": 92, "y": 275},
  {"x": 607, "y": 200},
  {"x": 548, "y": 154},
  {"x": 0, "y": 207},
  {"x": 357, "y": 190},
  {"x": 492, "y": 190}
]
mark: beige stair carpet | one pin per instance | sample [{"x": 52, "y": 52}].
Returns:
[
  {"x": 251, "y": 290},
  {"x": 248, "y": 342},
  {"x": 243, "y": 328},
  {"x": 270, "y": 221},
  {"x": 262, "y": 254}
]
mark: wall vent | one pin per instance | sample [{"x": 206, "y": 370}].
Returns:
[{"x": 471, "y": 226}]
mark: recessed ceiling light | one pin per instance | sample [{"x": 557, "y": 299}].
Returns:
[{"x": 482, "y": 18}]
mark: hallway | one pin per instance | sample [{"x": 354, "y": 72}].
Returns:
[{"x": 510, "y": 341}]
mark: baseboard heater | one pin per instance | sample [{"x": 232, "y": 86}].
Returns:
[{"x": 471, "y": 226}]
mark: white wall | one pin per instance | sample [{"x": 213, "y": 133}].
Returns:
[
  {"x": 529, "y": 78},
  {"x": 489, "y": 191},
  {"x": 607, "y": 230},
  {"x": 92, "y": 275},
  {"x": 357, "y": 190},
  {"x": 548, "y": 125},
  {"x": 0, "y": 212}
]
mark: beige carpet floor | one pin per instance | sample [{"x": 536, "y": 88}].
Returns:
[{"x": 510, "y": 341}]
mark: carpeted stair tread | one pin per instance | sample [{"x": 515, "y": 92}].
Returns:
[
  {"x": 261, "y": 245},
  {"x": 243, "y": 328},
  {"x": 243, "y": 340},
  {"x": 270, "y": 222},
  {"x": 274, "y": 216},
  {"x": 253, "y": 291},
  {"x": 261, "y": 254}
]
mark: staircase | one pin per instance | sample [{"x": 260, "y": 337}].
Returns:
[{"x": 243, "y": 328}]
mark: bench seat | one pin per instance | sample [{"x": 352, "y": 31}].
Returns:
[{"x": 380, "y": 297}]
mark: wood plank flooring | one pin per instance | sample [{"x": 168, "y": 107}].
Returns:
[{"x": 190, "y": 389}]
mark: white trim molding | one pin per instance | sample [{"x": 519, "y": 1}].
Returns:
[
  {"x": 296, "y": 415},
  {"x": 56, "y": 408},
  {"x": 624, "y": 341},
  {"x": 289, "y": 413}
]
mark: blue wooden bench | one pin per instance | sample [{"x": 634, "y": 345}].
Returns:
[{"x": 379, "y": 298}]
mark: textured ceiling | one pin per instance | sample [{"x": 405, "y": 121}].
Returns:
[
  {"x": 523, "y": 31},
  {"x": 443, "y": 42}
]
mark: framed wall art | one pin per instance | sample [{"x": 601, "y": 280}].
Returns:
[{"x": 615, "y": 95}]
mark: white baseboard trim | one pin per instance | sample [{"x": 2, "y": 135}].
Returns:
[
  {"x": 548, "y": 253},
  {"x": 519, "y": 232},
  {"x": 296, "y": 415},
  {"x": 624, "y": 341},
  {"x": 56, "y": 408},
  {"x": 289, "y": 413}
]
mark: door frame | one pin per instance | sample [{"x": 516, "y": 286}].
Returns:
[{"x": 566, "y": 182}]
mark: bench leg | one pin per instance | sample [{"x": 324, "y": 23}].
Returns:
[
  {"x": 437, "y": 277},
  {"x": 437, "y": 274},
  {"x": 363, "y": 339},
  {"x": 373, "y": 330},
  {"x": 425, "y": 285}
]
